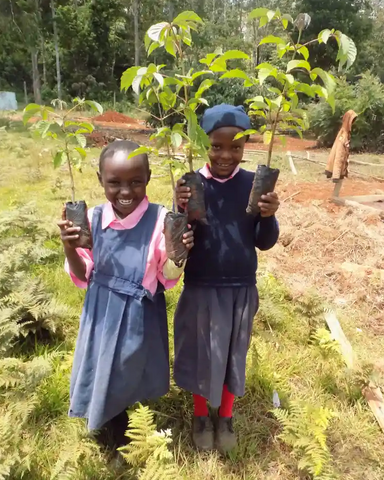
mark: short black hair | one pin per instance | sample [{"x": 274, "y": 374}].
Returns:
[{"x": 120, "y": 146}]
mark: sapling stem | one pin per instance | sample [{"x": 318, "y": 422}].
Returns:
[
  {"x": 270, "y": 149},
  {"x": 70, "y": 172}
]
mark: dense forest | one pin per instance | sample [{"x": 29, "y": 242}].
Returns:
[
  {"x": 65, "y": 48},
  {"x": 60, "y": 48}
]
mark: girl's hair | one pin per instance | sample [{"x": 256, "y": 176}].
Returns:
[{"x": 120, "y": 146}]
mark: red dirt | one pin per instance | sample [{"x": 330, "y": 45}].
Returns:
[
  {"x": 117, "y": 120},
  {"x": 322, "y": 191},
  {"x": 291, "y": 144}
]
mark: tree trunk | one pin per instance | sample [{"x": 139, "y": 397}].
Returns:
[
  {"x": 44, "y": 63},
  {"x": 136, "y": 29},
  {"x": 36, "y": 76},
  {"x": 56, "y": 40}
]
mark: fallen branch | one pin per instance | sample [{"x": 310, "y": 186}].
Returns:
[{"x": 291, "y": 196}]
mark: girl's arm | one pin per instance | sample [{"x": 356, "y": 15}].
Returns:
[
  {"x": 266, "y": 232},
  {"x": 266, "y": 227}
]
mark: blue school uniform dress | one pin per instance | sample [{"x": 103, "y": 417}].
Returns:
[
  {"x": 214, "y": 316},
  {"x": 121, "y": 354}
]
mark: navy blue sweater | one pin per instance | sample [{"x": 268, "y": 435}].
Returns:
[{"x": 224, "y": 254}]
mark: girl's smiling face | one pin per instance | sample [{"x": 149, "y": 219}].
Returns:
[
  {"x": 125, "y": 181},
  {"x": 225, "y": 153}
]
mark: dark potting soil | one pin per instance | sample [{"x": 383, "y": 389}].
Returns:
[
  {"x": 196, "y": 205},
  {"x": 263, "y": 183},
  {"x": 175, "y": 226},
  {"x": 77, "y": 214}
]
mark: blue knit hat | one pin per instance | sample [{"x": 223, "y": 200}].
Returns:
[{"x": 224, "y": 116}]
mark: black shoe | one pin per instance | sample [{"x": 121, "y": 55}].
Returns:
[
  {"x": 225, "y": 435},
  {"x": 203, "y": 433}
]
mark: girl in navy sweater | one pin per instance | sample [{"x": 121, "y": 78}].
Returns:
[{"x": 214, "y": 316}]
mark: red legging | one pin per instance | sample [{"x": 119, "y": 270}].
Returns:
[{"x": 226, "y": 407}]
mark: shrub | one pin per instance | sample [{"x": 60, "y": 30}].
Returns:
[{"x": 366, "y": 98}]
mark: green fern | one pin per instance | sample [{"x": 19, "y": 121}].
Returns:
[
  {"x": 310, "y": 306},
  {"x": 25, "y": 304},
  {"x": 304, "y": 429},
  {"x": 148, "y": 448},
  {"x": 328, "y": 346}
]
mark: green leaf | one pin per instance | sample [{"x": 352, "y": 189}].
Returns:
[
  {"x": 285, "y": 20},
  {"x": 305, "y": 88},
  {"x": 257, "y": 102},
  {"x": 273, "y": 39},
  {"x": 190, "y": 115},
  {"x": 264, "y": 73},
  {"x": 170, "y": 46},
  {"x": 331, "y": 102},
  {"x": 87, "y": 126},
  {"x": 320, "y": 91},
  {"x": 136, "y": 84},
  {"x": 245, "y": 133},
  {"x": 154, "y": 32},
  {"x": 81, "y": 152},
  {"x": 209, "y": 58},
  {"x": 153, "y": 46},
  {"x": 29, "y": 111},
  {"x": 205, "y": 85},
  {"x": 277, "y": 101},
  {"x": 95, "y": 106},
  {"x": 298, "y": 64},
  {"x": 303, "y": 50},
  {"x": 176, "y": 140},
  {"x": 347, "y": 51},
  {"x": 258, "y": 13},
  {"x": 139, "y": 151},
  {"x": 258, "y": 113},
  {"x": 234, "y": 54},
  {"x": 324, "y": 36},
  {"x": 81, "y": 140},
  {"x": 236, "y": 73},
  {"x": 199, "y": 74},
  {"x": 267, "y": 137},
  {"x": 219, "y": 65},
  {"x": 194, "y": 101},
  {"x": 59, "y": 159},
  {"x": 327, "y": 79},
  {"x": 159, "y": 78},
  {"x": 128, "y": 77},
  {"x": 186, "y": 17},
  {"x": 43, "y": 127},
  {"x": 298, "y": 130},
  {"x": 271, "y": 14},
  {"x": 266, "y": 66}
]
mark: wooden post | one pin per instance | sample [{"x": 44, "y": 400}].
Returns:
[
  {"x": 336, "y": 190},
  {"x": 25, "y": 93}
]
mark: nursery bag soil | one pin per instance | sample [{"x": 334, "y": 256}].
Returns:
[
  {"x": 263, "y": 183},
  {"x": 196, "y": 205},
  {"x": 175, "y": 225},
  {"x": 77, "y": 214}
]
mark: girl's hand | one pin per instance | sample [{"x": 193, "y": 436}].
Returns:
[
  {"x": 188, "y": 239},
  {"x": 269, "y": 204},
  {"x": 68, "y": 233},
  {"x": 182, "y": 193}
]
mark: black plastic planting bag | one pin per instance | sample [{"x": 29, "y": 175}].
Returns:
[
  {"x": 175, "y": 225},
  {"x": 196, "y": 205},
  {"x": 77, "y": 214},
  {"x": 263, "y": 183}
]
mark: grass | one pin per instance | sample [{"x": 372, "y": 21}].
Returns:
[{"x": 282, "y": 358}]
